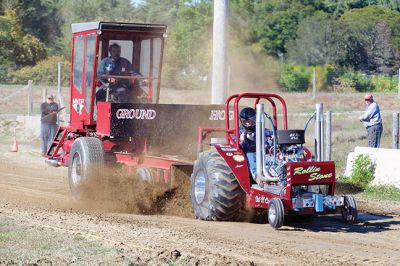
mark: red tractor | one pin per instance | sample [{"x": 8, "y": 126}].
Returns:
[
  {"x": 116, "y": 119},
  {"x": 293, "y": 183}
]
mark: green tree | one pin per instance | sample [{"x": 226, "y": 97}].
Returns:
[
  {"x": 154, "y": 11},
  {"x": 240, "y": 14},
  {"x": 338, "y": 7},
  {"x": 18, "y": 49},
  {"x": 275, "y": 22},
  {"x": 317, "y": 42},
  {"x": 39, "y": 18},
  {"x": 372, "y": 39},
  {"x": 188, "y": 55}
]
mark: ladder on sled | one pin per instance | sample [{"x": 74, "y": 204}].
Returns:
[{"x": 57, "y": 143}]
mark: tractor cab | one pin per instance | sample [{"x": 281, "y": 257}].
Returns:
[{"x": 113, "y": 62}]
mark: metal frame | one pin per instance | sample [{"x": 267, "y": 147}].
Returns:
[
  {"x": 324, "y": 172},
  {"x": 258, "y": 96}
]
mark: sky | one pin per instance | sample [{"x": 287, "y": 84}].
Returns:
[{"x": 137, "y": 2}]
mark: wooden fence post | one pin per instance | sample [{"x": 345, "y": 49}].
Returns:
[
  {"x": 398, "y": 86},
  {"x": 30, "y": 98},
  {"x": 44, "y": 95},
  {"x": 395, "y": 131}
]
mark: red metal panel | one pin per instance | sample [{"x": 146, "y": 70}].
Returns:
[
  {"x": 103, "y": 118},
  {"x": 74, "y": 116},
  {"x": 236, "y": 160},
  {"x": 259, "y": 199},
  {"x": 84, "y": 117},
  {"x": 94, "y": 75},
  {"x": 147, "y": 161},
  {"x": 162, "y": 164},
  {"x": 228, "y": 136},
  {"x": 309, "y": 173}
]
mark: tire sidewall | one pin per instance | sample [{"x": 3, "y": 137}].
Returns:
[
  {"x": 76, "y": 149},
  {"x": 223, "y": 196},
  {"x": 89, "y": 169},
  {"x": 350, "y": 215},
  {"x": 272, "y": 205},
  {"x": 201, "y": 210},
  {"x": 277, "y": 204}
]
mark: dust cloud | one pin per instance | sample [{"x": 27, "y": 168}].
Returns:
[
  {"x": 252, "y": 72},
  {"x": 119, "y": 191}
]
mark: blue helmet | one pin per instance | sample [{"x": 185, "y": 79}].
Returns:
[{"x": 248, "y": 118}]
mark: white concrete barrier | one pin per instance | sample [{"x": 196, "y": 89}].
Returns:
[
  {"x": 31, "y": 124},
  {"x": 387, "y": 161}
]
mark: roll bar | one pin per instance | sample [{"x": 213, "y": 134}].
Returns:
[{"x": 258, "y": 96}]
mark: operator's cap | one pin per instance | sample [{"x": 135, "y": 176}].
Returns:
[
  {"x": 368, "y": 97},
  {"x": 51, "y": 97}
]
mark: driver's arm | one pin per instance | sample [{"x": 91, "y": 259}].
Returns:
[{"x": 101, "y": 70}]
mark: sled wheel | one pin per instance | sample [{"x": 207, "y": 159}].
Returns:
[{"x": 86, "y": 163}]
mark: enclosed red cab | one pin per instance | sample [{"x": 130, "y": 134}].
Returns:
[{"x": 140, "y": 44}]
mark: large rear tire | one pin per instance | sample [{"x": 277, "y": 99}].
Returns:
[
  {"x": 86, "y": 164},
  {"x": 349, "y": 210},
  {"x": 215, "y": 193}
]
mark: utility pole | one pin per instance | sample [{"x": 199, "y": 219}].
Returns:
[
  {"x": 314, "y": 84},
  {"x": 219, "y": 91}
]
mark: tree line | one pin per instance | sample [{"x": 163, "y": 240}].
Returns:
[{"x": 352, "y": 43}]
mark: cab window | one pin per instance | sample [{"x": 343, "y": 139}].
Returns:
[
  {"x": 90, "y": 55},
  {"x": 78, "y": 62}
]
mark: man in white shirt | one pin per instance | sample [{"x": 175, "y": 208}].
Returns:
[{"x": 372, "y": 121}]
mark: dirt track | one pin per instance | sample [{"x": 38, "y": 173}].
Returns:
[{"x": 35, "y": 198}]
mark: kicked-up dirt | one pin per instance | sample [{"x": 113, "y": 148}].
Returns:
[{"x": 40, "y": 223}]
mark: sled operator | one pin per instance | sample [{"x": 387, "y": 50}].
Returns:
[{"x": 118, "y": 66}]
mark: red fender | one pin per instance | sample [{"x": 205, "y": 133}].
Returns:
[{"x": 236, "y": 160}]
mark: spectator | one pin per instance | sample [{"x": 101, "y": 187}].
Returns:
[
  {"x": 49, "y": 110},
  {"x": 372, "y": 121}
]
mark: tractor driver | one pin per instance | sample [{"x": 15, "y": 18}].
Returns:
[
  {"x": 118, "y": 66},
  {"x": 247, "y": 132}
]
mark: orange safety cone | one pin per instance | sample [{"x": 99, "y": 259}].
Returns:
[{"x": 15, "y": 144}]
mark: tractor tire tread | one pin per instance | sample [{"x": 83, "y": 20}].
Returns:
[{"x": 225, "y": 197}]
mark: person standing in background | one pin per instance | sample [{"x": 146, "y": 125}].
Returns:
[
  {"x": 372, "y": 121},
  {"x": 49, "y": 126}
]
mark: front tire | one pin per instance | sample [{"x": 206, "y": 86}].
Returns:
[
  {"x": 276, "y": 213},
  {"x": 86, "y": 163},
  {"x": 349, "y": 210},
  {"x": 215, "y": 193}
]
